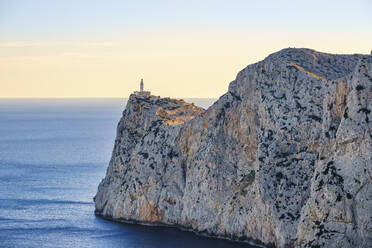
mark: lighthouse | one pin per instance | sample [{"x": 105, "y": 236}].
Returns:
[{"x": 142, "y": 92}]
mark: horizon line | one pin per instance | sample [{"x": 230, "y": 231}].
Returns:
[{"x": 94, "y": 97}]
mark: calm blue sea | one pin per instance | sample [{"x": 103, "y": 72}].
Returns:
[{"x": 53, "y": 154}]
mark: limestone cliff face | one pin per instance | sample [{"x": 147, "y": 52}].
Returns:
[{"x": 283, "y": 159}]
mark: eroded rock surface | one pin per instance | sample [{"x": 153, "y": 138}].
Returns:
[{"x": 283, "y": 159}]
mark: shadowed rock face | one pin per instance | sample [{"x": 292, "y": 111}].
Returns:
[{"x": 284, "y": 158}]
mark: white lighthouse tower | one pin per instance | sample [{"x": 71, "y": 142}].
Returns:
[{"x": 142, "y": 92}]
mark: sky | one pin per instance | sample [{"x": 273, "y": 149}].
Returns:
[{"x": 181, "y": 48}]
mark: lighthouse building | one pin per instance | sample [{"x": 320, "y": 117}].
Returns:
[{"x": 142, "y": 92}]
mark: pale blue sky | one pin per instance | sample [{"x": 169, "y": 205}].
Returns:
[
  {"x": 189, "y": 48},
  {"x": 56, "y": 19}
]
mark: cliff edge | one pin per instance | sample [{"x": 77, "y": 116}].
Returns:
[{"x": 283, "y": 159}]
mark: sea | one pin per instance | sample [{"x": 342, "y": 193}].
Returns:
[{"x": 53, "y": 154}]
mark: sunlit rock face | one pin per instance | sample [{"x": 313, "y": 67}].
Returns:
[{"x": 283, "y": 159}]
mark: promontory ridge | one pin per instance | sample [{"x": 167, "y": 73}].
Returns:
[{"x": 283, "y": 159}]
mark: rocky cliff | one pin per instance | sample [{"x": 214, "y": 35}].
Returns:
[{"x": 283, "y": 159}]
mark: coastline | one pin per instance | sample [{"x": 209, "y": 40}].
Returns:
[{"x": 241, "y": 240}]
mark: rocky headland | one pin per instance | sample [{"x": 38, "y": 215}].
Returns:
[{"x": 283, "y": 159}]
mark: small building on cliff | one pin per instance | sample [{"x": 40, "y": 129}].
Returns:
[{"x": 141, "y": 92}]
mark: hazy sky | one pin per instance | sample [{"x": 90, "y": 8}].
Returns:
[{"x": 87, "y": 48}]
